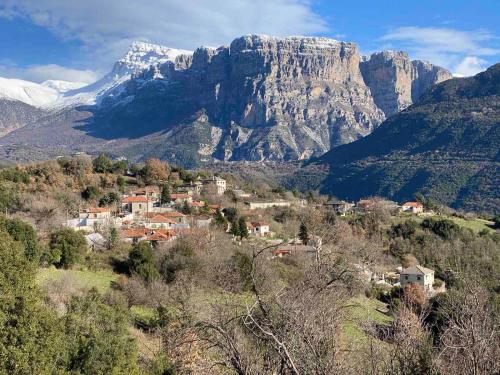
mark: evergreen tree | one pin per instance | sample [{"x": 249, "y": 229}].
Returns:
[
  {"x": 186, "y": 208},
  {"x": 30, "y": 335},
  {"x": 235, "y": 228},
  {"x": 304, "y": 233},
  {"x": 68, "y": 247},
  {"x": 165, "y": 194},
  {"x": 220, "y": 220},
  {"x": 102, "y": 164},
  {"x": 141, "y": 261},
  {"x": 242, "y": 225}
]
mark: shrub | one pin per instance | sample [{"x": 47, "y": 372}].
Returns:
[
  {"x": 67, "y": 246},
  {"x": 141, "y": 261},
  {"x": 90, "y": 192},
  {"x": 444, "y": 228},
  {"x": 102, "y": 164}
]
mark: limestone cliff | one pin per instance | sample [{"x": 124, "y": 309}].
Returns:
[{"x": 396, "y": 82}]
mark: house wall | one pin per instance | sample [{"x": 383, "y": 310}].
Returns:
[{"x": 425, "y": 281}]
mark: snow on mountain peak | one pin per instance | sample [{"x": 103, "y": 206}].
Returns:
[
  {"x": 142, "y": 55},
  {"x": 63, "y": 86},
  {"x": 28, "y": 92}
]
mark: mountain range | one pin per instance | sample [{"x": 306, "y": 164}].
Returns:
[
  {"x": 260, "y": 98},
  {"x": 446, "y": 146}
]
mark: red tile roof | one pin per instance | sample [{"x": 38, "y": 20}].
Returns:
[
  {"x": 180, "y": 196},
  {"x": 159, "y": 218},
  {"x": 134, "y": 233},
  {"x": 135, "y": 200}
]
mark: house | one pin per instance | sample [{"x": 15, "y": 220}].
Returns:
[
  {"x": 197, "y": 205},
  {"x": 418, "y": 275},
  {"x": 212, "y": 208},
  {"x": 181, "y": 198},
  {"x": 176, "y": 216},
  {"x": 254, "y": 205},
  {"x": 158, "y": 221},
  {"x": 217, "y": 182},
  {"x": 238, "y": 193},
  {"x": 151, "y": 192},
  {"x": 365, "y": 205},
  {"x": 203, "y": 222},
  {"x": 91, "y": 218},
  {"x": 134, "y": 234},
  {"x": 339, "y": 207},
  {"x": 258, "y": 228},
  {"x": 292, "y": 249},
  {"x": 412, "y": 207},
  {"x": 137, "y": 205},
  {"x": 194, "y": 188},
  {"x": 160, "y": 236}
]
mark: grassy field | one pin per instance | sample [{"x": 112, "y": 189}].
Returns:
[
  {"x": 85, "y": 279},
  {"x": 363, "y": 310},
  {"x": 477, "y": 225}
]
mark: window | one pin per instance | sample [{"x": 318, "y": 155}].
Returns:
[
  {"x": 406, "y": 277},
  {"x": 418, "y": 277}
]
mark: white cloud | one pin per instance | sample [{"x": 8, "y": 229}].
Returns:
[
  {"x": 106, "y": 28},
  {"x": 457, "y": 50},
  {"x": 469, "y": 66},
  {"x": 40, "y": 73}
]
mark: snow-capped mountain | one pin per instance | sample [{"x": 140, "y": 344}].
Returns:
[
  {"x": 27, "y": 92},
  {"x": 139, "y": 57},
  {"x": 63, "y": 86},
  {"x": 57, "y": 94}
]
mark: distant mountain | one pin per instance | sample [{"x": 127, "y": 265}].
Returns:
[
  {"x": 447, "y": 146},
  {"x": 261, "y": 98},
  {"x": 15, "y": 114}
]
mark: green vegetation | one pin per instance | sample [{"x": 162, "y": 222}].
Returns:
[
  {"x": 100, "y": 280},
  {"x": 436, "y": 147},
  {"x": 67, "y": 247}
]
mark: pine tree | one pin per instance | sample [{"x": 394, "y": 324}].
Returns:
[
  {"x": 242, "y": 227},
  {"x": 235, "y": 228},
  {"x": 304, "y": 234},
  {"x": 165, "y": 194}
]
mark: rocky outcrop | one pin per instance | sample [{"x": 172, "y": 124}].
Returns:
[
  {"x": 260, "y": 98},
  {"x": 270, "y": 98},
  {"x": 396, "y": 82}
]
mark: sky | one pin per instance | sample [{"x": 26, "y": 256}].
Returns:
[{"x": 78, "y": 41}]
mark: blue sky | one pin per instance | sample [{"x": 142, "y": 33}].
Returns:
[{"x": 79, "y": 40}]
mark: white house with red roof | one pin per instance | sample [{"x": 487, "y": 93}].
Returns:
[{"x": 412, "y": 207}]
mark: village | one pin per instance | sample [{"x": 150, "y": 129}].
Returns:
[{"x": 159, "y": 214}]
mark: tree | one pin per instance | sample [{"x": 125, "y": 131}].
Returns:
[
  {"x": 102, "y": 164},
  {"x": 235, "y": 228},
  {"x": 303, "y": 233},
  {"x": 30, "y": 335},
  {"x": 120, "y": 182},
  {"x": 154, "y": 171},
  {"x": 113, "y": 238},
  {"x": 109, "y": 199},
  {"x": 9, "y": 198},
  {"x": 24, "y": 233},
  {"x": 242, "y": 227},
  {"x": 98, "y": 341},
  {"x": 68, "y": 247},
  {"x": 90, "y": 193},
  {"x": 119, "y": 166},
  {"x": 186, "y": 208},
  {"x": 141, "y": 261},
  {"x": 220, "y": 221},
  {"x": 165, "y": 194}
]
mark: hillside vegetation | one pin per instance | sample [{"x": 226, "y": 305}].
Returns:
[{"x": 446, "y": 146}]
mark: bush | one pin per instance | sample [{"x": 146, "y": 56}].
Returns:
[
  {"x": 16, "y": 175},
  {"x": 444, "y": 228},
  {"x": 67, "y": 247},
  {"x": 91, "y": 192},
  {"x": 25, "y": 234},
  {"x": 102, "y": 164},
  {"x": 9, "y": 198},
  {"x": 108, "y": 199},
  {"x": 180, "y": 257},
  {"x": 141, "y": 262}
]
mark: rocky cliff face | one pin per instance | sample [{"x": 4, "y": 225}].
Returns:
[
  {"x": 264, "y": 97},
  {"x": 396, "y": 82},
  {"x": 260, "y": 98}
]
